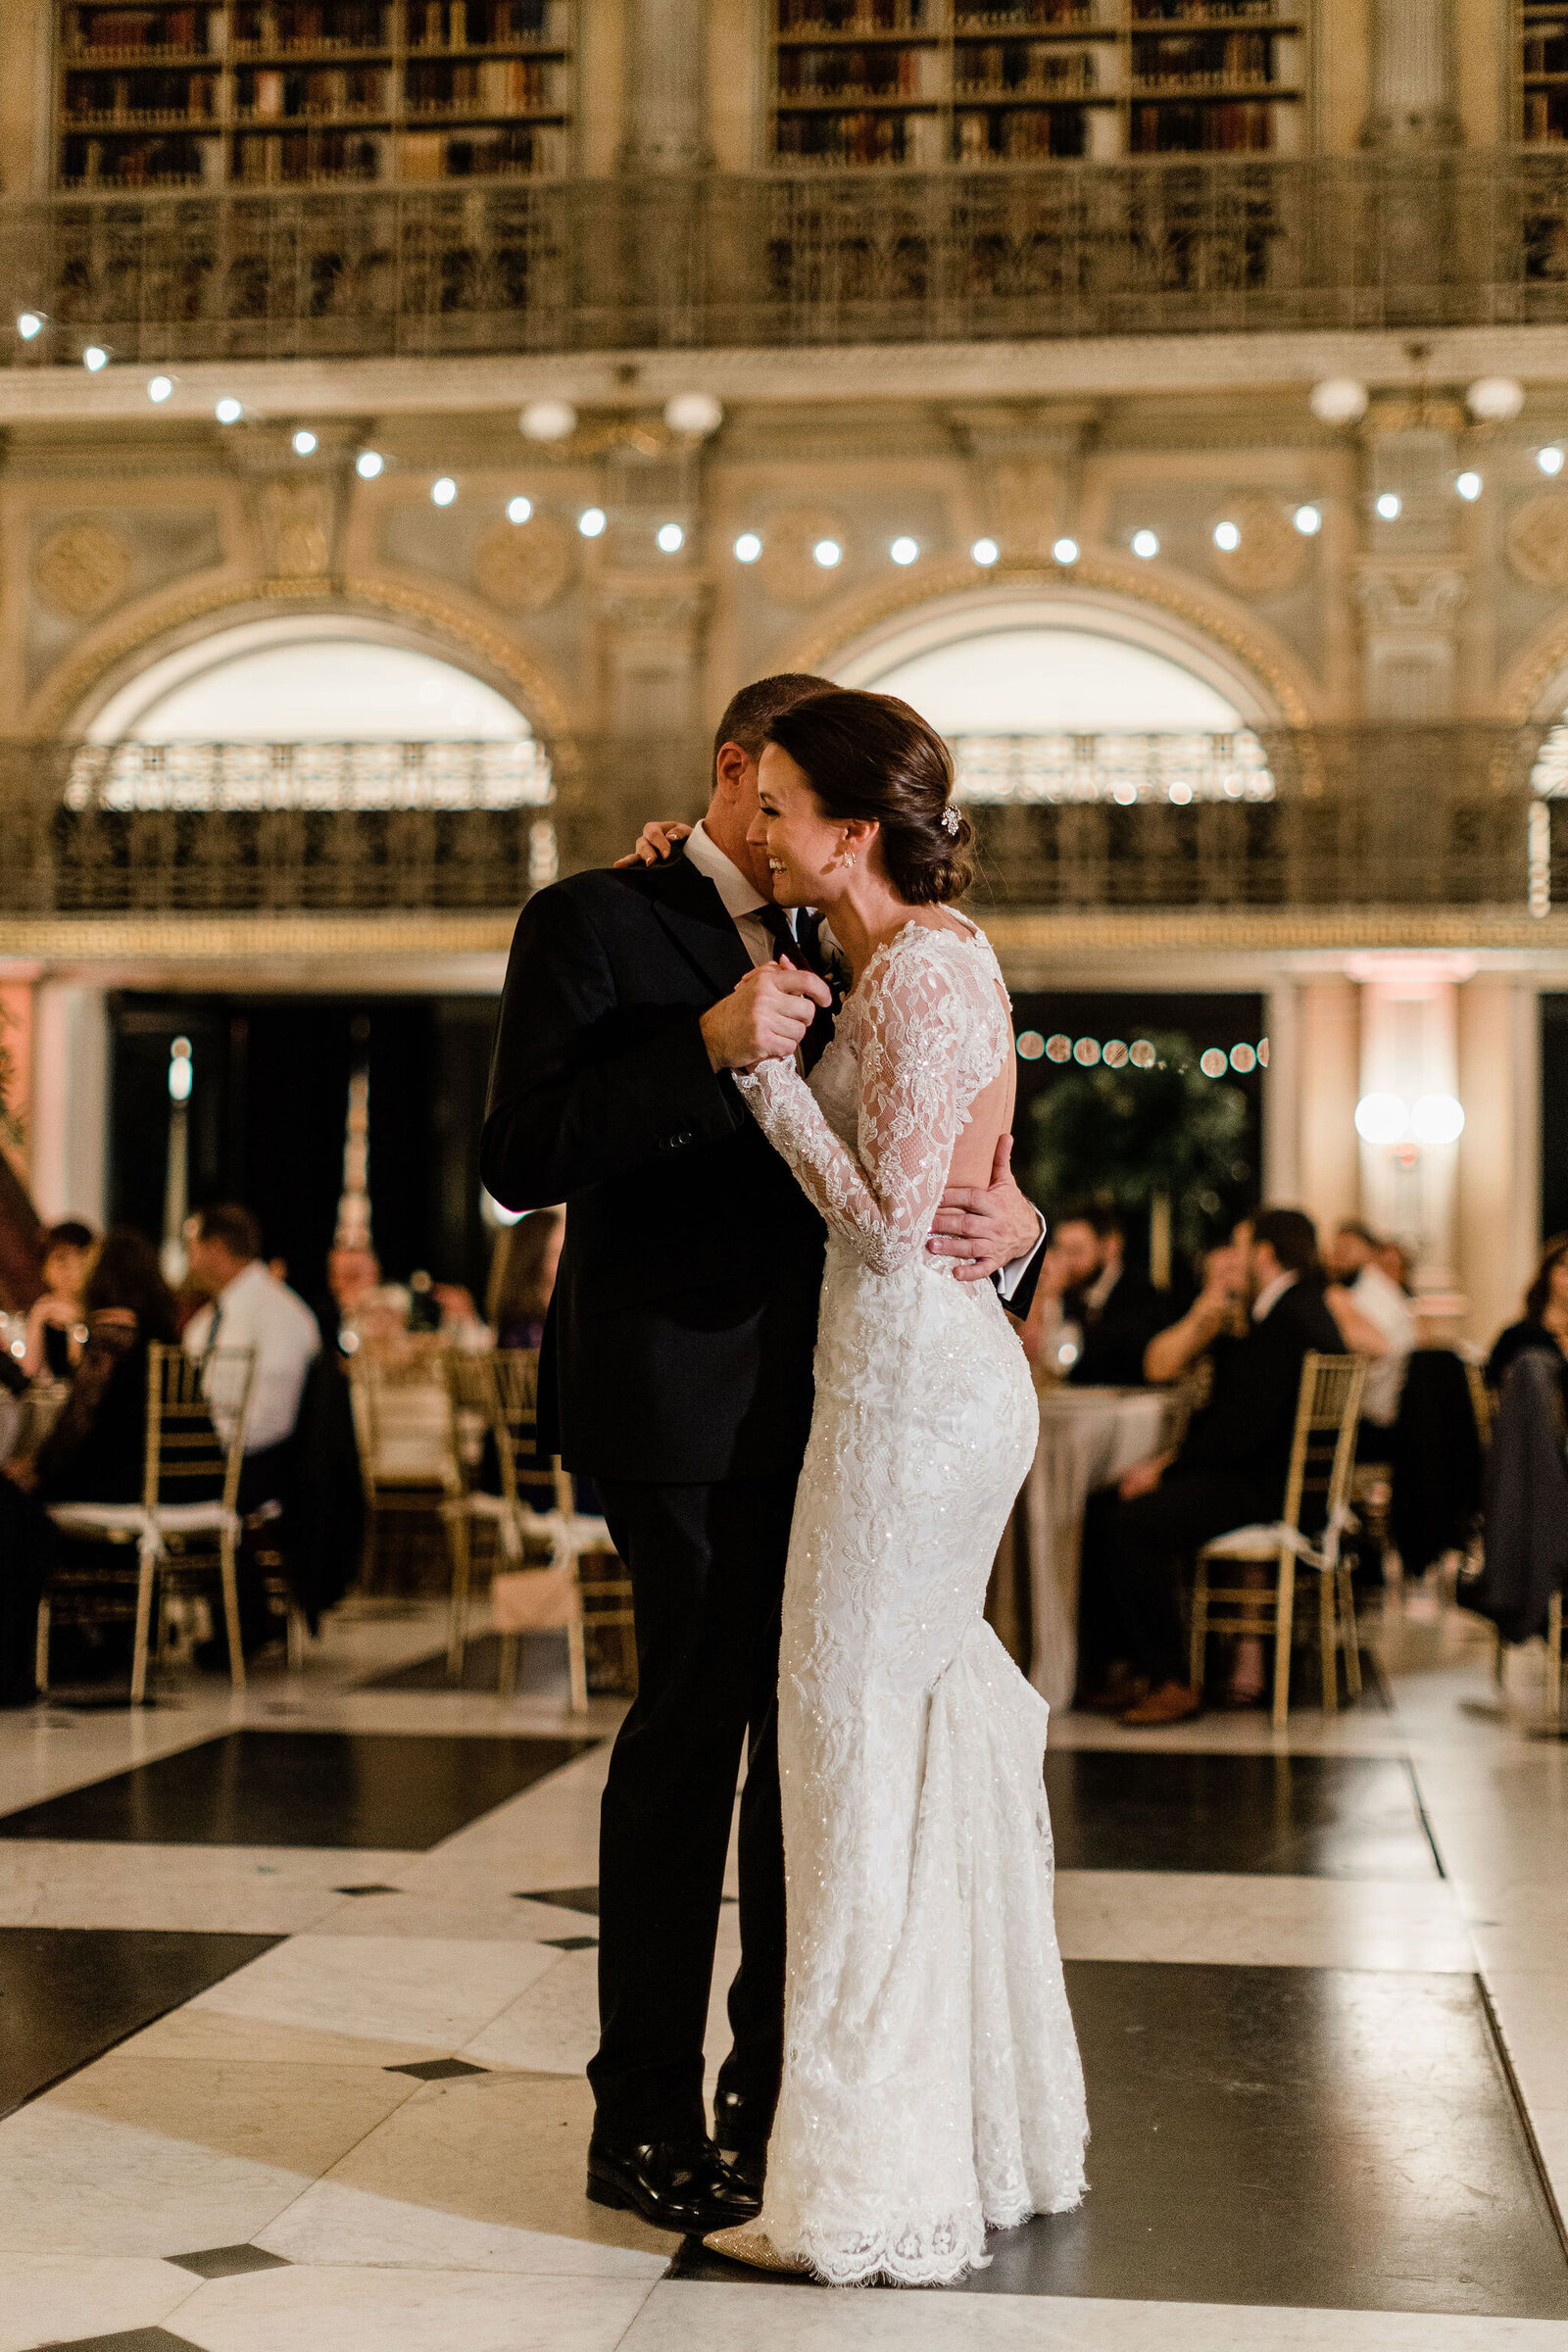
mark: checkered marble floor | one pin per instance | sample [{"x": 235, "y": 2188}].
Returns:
[{"x": 336, "y": 2101}]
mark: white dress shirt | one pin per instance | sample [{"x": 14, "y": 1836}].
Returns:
[
  {"x": 258, "y": 1311},
  {"x": 1384, "y": 1304},
  {"x": 743, "y": 903},
  {"x": 1270, "y": 1297}
]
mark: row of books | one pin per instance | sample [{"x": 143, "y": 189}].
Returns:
[
  {"x": 1041, "y": 72},
  {"x": 92, "y": 95},
  {"x": 280, "y": 157},
  {"x": 498, "y": 85},
  {"x": 1546, "y": 49},
  {"x": 134, "y": 29},
  {"x": 1236, "y": 127},
  {"x": 856, "y": 16},
  {"x": 1546, "y": 117},
  {"x": 1218, "y": 57},
  {"x": 330, "y": 90},
  {"x": 1020, "y": 136},
  {"x": 318, "y": 24},
  {"x": 502, "y": 85},
  {"x": 852, "y": 140},
  {"x": 868, "y": 73}
]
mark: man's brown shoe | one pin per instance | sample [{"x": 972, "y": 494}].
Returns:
[
  {"x": 1171, "y": 1702},
  {"x": 1117, "y": 1696}
]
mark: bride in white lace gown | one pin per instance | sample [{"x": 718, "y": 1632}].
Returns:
[{"x": 932, "y": 2086}]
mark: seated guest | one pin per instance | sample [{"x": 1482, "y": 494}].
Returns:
[
  {"x": 1085, "y": 1271},
  {"x": 353, "y": 1273},
  {"x": 1376, "y": 1320},
  {"x": 1544, "y": 1325},
  {"x": 523, "y": 1278},
  {"x": 249, "y": 1308},
  {"x": 1229, "y": 1471},
  {"x": 96, "y": 1450},
  {"x": 54, "y": 1319}
]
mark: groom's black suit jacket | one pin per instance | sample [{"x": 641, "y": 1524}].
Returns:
[{"x": 678, "y": 1346}]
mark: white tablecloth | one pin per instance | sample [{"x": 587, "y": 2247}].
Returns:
[{"x": 1088, "y": 1436}]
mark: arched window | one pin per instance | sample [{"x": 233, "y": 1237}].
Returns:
[
  {"x": 310, "y": 713},
  {"x": 1050, "y": 704}
]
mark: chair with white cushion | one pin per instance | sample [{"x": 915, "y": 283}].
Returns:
[
  {"x": 176, "y": 1539},
  {"x": 1316, "y": 1495}
]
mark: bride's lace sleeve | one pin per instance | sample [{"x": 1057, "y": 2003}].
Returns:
[{"x": 917, "y": 1088}]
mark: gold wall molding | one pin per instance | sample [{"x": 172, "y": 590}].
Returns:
[
  {"x": 82, "y": 570},
  {"x": 1257, "y": 648},
  {"x": 109, "y": 657},
  {"x": 206, "y": 939},
  {"x": 1522, "y": 689}
]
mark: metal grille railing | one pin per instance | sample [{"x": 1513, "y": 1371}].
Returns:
[
  {"x": 1457, "y": 816},
  {"x": 1154, "y": 245}
]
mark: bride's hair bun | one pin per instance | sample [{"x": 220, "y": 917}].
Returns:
[{"x": 871, "y": 756}]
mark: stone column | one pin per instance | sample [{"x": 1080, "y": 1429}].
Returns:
[
  {"x": 1412, "y": 75},
  {"x": 70, "y": 1108},
  {"x": 1409, "y": 1050},
  {"x": 1500, "y": 1150},
  {"x": 1328, "y": 1167},
  {"x": 1411, "y": 582},
  {"x": 1281, "y": 1095},
  {"x": 665, "y": 119}
]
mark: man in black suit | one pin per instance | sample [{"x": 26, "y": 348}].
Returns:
[
  {"x": 1229, "y": 1470},
  {"x": 1118, "y": 1311},
  {"x": 676, "y": 1371}
]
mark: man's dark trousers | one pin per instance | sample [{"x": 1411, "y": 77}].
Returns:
[
  {"x": 1142, "y": 1548},
  {"x": 706, "y": 1566}
]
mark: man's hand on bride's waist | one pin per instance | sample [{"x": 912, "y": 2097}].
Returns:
[
  {"x": 765, "y": 1017},
  {"x": 986, "y": 1227}
]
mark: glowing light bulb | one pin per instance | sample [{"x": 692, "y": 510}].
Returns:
[
  {"x": 94, "y": 357},
  {"x": 444, "y": 491},
  {"x": 671, "y": 538},
  {"x": 1468, "y": 486},
  {"x": 591, "y": 521},
  {"x": 1437, "y": 1119},
  {"x": 28, "y": 325},
  {"x": 1390, "y": 506},
  {"x": 827, "y": 553},
  {"x": 368, "y": 463},
  {"x": 519, "y": 509},
  {"x": 1146, "y": 544},
  {"x": 905, "y": 549},
  {"x": 1550, "y": 458},
  {"x": 1308, "y": 521},
  {"x": 1065, "y": 551},
  {"x": 228, "y": 412},
  {"x": 1381, "y": 1118},
  {"x": 304, "y": 443},
  {"x": 748, "y": 546},
  {"x": 159, "y": 388},
  {"x": 1227, "y": 538},
  {"x": 984, "y": 551}
]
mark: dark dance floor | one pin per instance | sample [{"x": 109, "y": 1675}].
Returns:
[
  {"x": 373, "y": 1790},
  {"x": 1314, "y": 1816},
  {"x": 67, "y": 1994},
  {"x": 1311, "y": 2138}
]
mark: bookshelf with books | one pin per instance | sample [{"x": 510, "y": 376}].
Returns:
[
  {"x": 915, "y": 82},
  {"x": 279, "y": 93}
]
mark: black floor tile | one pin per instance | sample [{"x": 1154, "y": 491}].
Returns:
[
  {"x": 67, "y": 1994},
  {"x": 1318, "y": 1817},
  {"x": 541, "y": 1668},
  {"x": 317, "y": 1788},
  {"x": 134, "y": 2340},
  {"x": 228, "y": 2262},
  {"x": 1302, "y": 2138},
  {"x": 565, "y": 1899},
  {"x": 436, "y": 2070}
]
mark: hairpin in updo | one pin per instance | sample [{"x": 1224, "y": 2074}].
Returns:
[{"x": 950, "y": 820}]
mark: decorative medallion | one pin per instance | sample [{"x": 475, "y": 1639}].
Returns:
[
  {"x": 526, "y": 566},
  {"x": 788, "y": 564},
  {"x": 1537, "y": 539},
  {"x": 82, "y": 570},
  {"x": 1269, "y": 556}
]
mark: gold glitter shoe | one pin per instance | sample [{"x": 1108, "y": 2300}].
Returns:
[{"x": 747, "y": 2243}]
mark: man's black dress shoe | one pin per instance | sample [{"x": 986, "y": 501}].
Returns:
[{"x": 682, "y": 2185}]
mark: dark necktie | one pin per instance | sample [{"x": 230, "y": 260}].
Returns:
[{"x": 776, "y": 923}]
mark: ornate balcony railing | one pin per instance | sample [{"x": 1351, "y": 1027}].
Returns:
[
  {"x": 1438, "y": 817},
  {"x": 1156, "y": 245}
]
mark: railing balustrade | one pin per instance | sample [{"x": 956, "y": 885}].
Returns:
[
  {"x": 1150, "y": 245},
  {"x": 1453, "y": 817}
]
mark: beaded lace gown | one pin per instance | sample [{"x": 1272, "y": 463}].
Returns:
[{"x": 931, "y": 2084}]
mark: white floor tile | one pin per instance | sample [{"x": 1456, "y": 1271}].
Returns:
[
  {"x": 319, "y": 2310},
  {"x": 430, "y": 1991},
  {"x": 335, "y": 2223},
  {"x": 78, "y": 2182},
  {"x": 58, "y": 2298},
  {"x": 242, "y": 1890},
  {"x": 681, "y": 2316},
  {"x": 1261, "y": 1922}
]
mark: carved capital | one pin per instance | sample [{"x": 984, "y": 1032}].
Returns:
[{"x": 1410, "y": 599}]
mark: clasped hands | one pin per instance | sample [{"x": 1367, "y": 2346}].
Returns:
[{"x": 766, "y": 1016}]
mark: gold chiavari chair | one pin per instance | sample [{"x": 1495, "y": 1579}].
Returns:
[
  {"x": 195, "y": 1437},
  {"x": 402, "y": 1429},
  {"x": 1322, "y": 1459}
]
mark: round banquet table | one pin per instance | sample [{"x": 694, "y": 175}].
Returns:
[{"x": 1088, "y": 1437}]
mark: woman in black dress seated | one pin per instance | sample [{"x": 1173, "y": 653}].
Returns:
[
  {"x": 96, "y": 1450},
  {"x": 1545, "y": 1322}
]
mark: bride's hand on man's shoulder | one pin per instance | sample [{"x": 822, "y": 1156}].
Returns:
[{"x": 655, "y": 841}]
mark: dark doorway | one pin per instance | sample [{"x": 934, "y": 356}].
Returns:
[{"x": 267, "y": 1119}]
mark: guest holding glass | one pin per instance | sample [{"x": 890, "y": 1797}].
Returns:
[{"x": 56, "y": 1331}]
